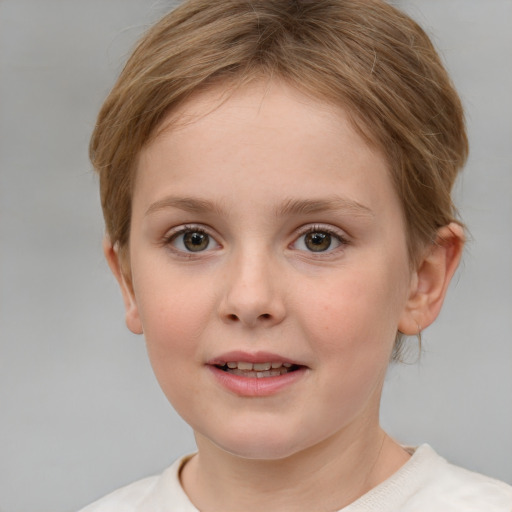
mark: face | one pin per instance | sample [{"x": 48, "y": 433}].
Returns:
[{"x": 269, "y": 270}]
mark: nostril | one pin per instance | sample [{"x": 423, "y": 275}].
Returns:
[
  {"x": 233, "y": 317},
  {"x": 265, "y": 316}
]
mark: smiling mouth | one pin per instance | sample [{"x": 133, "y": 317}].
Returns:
[{"x": 257, "y": 370}]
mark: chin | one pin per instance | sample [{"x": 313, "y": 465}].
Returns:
[
  {"x": 260, "y": 451},
  {"x": 270, "y": 443}
]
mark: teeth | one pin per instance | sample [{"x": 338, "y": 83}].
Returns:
[
  {"x": 271, "y": 373},
  {"x": 262, "y": 366},
  {"x": 259, "y": 375},
  {"x": 259, "y": 367},
  {"x": 268, "y": 369}
]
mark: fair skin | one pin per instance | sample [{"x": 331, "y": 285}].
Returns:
[{"x": 266, "y": 230}]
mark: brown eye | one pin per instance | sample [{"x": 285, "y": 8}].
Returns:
[
  {"x": 192, "y": 239},
  {"x": 317, "y": 241},
  {"x": 196, "y": 241}
]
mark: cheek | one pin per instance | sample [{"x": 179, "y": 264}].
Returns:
[
  {"x": 171, "y": 326},
  {"x": 351, "y": 327},
  {"x": 173, "y": 316},
  {"x": 355, "y": 316}
]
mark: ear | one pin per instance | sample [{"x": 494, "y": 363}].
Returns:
[
  {"x": 113, "y": 257},
  {"x": 431, "y": 278}
]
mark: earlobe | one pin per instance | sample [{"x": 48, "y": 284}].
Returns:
[
  {"x": 113, "y": 257},
  {"x": 430, "y": 281}
]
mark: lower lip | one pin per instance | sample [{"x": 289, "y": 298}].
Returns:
[{"x": 253, "y": 386}]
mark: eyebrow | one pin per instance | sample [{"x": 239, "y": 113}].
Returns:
[
  {"x": 289, "y": 206},
  {"x": 187, "y": 204},
  {"x": 329, "y": 204}
]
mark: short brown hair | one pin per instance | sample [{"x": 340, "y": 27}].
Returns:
[{"x": 363, "y": 55}]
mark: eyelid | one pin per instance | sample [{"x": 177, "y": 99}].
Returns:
[
  {"x": 327, "y": 228},
  {"x": 175, "y": 232},
  {"x": 337, "y": 233}
]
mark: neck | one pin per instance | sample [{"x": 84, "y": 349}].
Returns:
[{"x": 328, "y": 476}]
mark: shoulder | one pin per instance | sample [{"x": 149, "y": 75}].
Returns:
[
  {"x": 447, "y": 487},
  {"x": 125, "y": 499},
  {"x": 150, "y": 494},
  {"x": 429, "y": 483}
]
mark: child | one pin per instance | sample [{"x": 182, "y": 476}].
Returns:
[{"x": 275, "y": 178}]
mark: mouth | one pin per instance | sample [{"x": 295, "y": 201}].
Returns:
[
  {"x": 257, "y": 374},
  {"x": 257, "y": 370}
]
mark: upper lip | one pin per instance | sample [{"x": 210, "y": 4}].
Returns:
[{"x": 251, "y": 357}]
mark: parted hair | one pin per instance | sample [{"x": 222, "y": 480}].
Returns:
[{"x": 363, "y": 55}]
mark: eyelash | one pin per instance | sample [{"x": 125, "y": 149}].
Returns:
[
  {"x": 317, "y": 228},
  {"x": 183, "y": 230}
]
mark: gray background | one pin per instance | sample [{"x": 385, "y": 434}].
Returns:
[{"x": 81, "y": 413}]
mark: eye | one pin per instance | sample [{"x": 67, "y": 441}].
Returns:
[
  {"x": 318, "y": 239},
  {"x": 192, "y": 240}
]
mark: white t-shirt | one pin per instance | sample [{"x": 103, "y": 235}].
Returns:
[{"x": 425, "y": 483}]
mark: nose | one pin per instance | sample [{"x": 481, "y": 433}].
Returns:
[{"x": 253, "y": 291}]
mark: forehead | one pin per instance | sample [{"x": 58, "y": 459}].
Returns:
[{"x": 260, "y": 135}]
